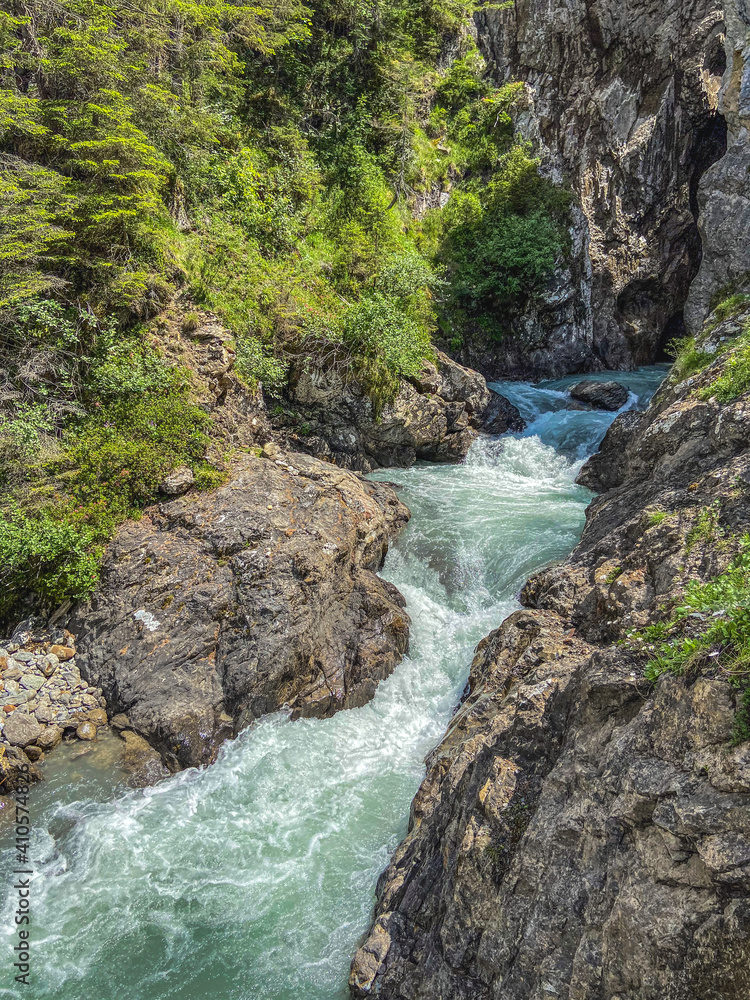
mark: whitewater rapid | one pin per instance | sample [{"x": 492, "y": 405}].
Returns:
[{"x": 254, "y": 878}]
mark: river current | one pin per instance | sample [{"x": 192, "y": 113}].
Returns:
[{"x": 253, "y": 879}]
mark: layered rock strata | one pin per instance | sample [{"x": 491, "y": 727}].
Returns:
[{"x": 582, "y": 833}]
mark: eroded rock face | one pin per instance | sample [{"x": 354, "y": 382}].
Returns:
[
  {"x": 435, "y": 417},
  {"x": 581, "y": 833},
  {"x": 622, "y": 106},
  {"x": 215, "y": 609},
  {"x": 724, "y": 191}
]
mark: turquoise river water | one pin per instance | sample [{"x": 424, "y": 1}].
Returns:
[{"x": 254, "y": 879}]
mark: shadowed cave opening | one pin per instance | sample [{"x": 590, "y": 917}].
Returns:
[{"x": 709, "y": 145}]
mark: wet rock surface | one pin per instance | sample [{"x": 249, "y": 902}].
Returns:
[
  {"x": 600, "y": 395},
  {"x": 580, "y": 831},
  {"x": 217, "y": 608}
]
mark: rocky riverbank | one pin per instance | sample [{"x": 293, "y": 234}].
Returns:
[
  {"x": 42, "y": 698},
  {"x": 582, "y": 831},
  {"x": 217, "y": 608}
]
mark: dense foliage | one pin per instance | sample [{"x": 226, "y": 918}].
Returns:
[{"x": 279, "y": 162}]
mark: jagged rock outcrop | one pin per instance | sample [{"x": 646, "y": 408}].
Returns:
[
  {"x": 326, "y": 412},
  {"x": 217, "y": 608},
  {"x": 582, "y": 833},
  {"x": 623, "y": 108},
  {"x": 435, "y": 416}
]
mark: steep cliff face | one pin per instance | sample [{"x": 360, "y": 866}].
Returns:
[
  {"x": 724, "y": 191},
  {"x": 581, "y": 832},
  {"x": 623, "y": 108}
]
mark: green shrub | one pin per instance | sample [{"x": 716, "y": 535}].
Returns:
[
  {"x": 52, "y": 554},
  {"x": 734, "y": 378},
  {"x": 127, "y": 367},
  {"x": 501, "y": 246},
  {"x": 708, "y": 629},
  {"x": 121, "y": 454},
  {"x": 255, "y": 365},
  {"x": 377, "y": 329}
]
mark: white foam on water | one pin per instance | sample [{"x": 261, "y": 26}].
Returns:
[{"x": 254, "y": 878}]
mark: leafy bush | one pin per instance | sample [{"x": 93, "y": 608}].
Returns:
[
  {"x": 52, "y": 534},
  {"x": 377, "y": 329},
  {"x": 127, "y": 367},
  {"x": 501, "y": 245},
  {"x": 121, "y": 454},
  {"x": 256, "y": 365},
  {"x": 21, "y": 441},
  {"x": 50, "y": 554}
]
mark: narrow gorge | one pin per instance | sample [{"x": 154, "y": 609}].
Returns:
[{"x": 374, "y": 511}]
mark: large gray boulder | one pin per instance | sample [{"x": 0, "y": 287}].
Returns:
[
  {"x": 219, "y": 607},
  {"x": 435, "y": 416}
]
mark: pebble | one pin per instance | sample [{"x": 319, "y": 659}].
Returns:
[
  {"x": 42, "y": 693},
  {"x": 32, "y": 681}
]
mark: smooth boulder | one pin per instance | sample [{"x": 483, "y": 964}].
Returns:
[
  {"x": 601, "y": 395},
  {"x": 21, "y": 729}
]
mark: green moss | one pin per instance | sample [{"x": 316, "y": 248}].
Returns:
[{"x": 613, "y": 574}]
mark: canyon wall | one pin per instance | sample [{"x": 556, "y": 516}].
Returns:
[
  {"x": 623, "y": 108},
  {"x": 582, "y": 832}
]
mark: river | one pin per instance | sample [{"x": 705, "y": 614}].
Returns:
[{"x": 254, "y": 878}]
